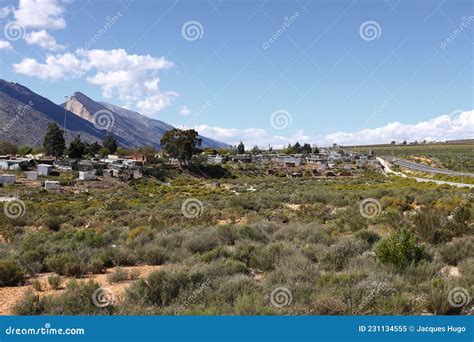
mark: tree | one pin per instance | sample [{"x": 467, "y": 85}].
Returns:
[
  {"x": 7, "y": 147},
  {"x": 400, "y": 250},
  {"x": 306, "y": 149},
  {"x": 54, "y": 144},
  {"x": 110, "y": 143},
  {"x": 255, "y": 150},
  {"x": 24, "y": 150},
  {"x": 93, "y": 148},
  {"x": 241, "y": 148},
  {"x": 77, "y": 148},
  {"x": 180, "y": 144},
  {"x": 315, "y": 150},
  {"x": 297, "y": 148}
]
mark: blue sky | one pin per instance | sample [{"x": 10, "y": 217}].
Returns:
[{"x": 321, "y": 78}]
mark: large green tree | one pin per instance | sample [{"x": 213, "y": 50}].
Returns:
[
  {"x": 110, "y": 143},
  {"x": 77, "y": 148},
  {"x": 180, "y": 144},
  {"x": 53, "y": 143},
  {"x": 241, "y": 148}
]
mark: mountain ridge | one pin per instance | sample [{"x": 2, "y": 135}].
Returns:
[{"x": 25, "y": 116}]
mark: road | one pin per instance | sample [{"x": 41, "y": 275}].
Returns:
[
  {"x": 387, "y": 170},
  {"x": 424, "y": 168}
]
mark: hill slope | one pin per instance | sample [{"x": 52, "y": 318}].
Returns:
[
  {"x": 131, "y": 126},
  {"x": 25, "y": 116}
]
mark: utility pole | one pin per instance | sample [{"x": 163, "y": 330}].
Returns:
[{"x": 65, "y": 113}]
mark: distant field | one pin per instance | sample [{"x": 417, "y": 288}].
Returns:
[{"x": 458, "y": 157}]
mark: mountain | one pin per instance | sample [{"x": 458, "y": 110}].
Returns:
[
  {"x": 24, "y": 117},
  {"x": 133, "y": 127}
]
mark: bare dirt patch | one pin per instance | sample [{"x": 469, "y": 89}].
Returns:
[{"x": 9, "y": 296}]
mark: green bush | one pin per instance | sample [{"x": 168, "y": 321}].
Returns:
[
  {"x": 36, "y": 284},
  {"x": 161, "y": 288},
  {"x": 11, "y": 273},
  {"x": 29, "y": 305},
  {"x": 118, "y": 275},
  {"x": 400, "y": 250},
  {"x": 65, "y": 264},
  {"x": 54, "y": 281}
]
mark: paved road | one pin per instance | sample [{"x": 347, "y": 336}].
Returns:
[
  {"x": 387, "y": 170},
  {"x": 419, "y": 167}
]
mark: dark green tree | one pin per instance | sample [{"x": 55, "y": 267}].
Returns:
[
  {"x": 180, "y": 144},
  {"x": 297, "y": 148},
  {"x": 306, "y": 149},
  {"x": 110, "y": 143},
  {"x": 255, "y": 150},
  {"x": 93, "y": 148},
  {"x": 241, "y": 148},
  {"x": 53, "y": 143},
  {"x": 77, "y": 148}
]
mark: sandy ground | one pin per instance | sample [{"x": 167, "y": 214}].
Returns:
[{"x": 9, "y": 296}]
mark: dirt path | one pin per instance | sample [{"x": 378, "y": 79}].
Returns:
[{"x": 9, "y": 296}]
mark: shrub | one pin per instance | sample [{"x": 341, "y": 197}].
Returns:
[
  {"x": 118, "y": 275},
  {"x": 161, "y": 288},
  {"x": 400, "y": 250},
  {"x": 368, "y": 236},
  {"x": 36, "y": 284},
  {"x": 54, "y": 281},
  {"x": 251, "y": 304},
  {"x": 457, "y": 250},
  {"x": 65, "y": 264},
  {"x": 77, "y": 299},
  {"x": 155, "y": 255},
  {"x": 29, "y": 305},
  {"x": 11, "y": 273}
]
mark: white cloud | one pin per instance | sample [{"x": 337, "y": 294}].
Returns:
[
  {"x": 40, "y": 14},
  {"x": 56, "y": 67},
  {"x": 184, "y": 111},
  {"x": 43, "y": 39},
  {"x": 458, "y": 125},
  {"x": 5, "y": 45},
  {"x": 5, "y": 11},
  {"x": 132, "y": 78}
]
